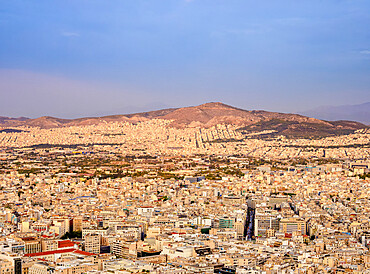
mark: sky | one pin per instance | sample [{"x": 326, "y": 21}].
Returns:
[{"x": 74, "y": 58}]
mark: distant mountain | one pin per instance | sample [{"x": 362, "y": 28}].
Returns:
[
  {"x": 208, "y": 115},
  {"x": 8, "y": 121},
  {"x": 359, "y": 113}
]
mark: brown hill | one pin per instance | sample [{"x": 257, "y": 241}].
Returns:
[
  {"x": 211, "y": 114},
  {"x": 208, "y": 115},
  {"x": 47, "y": 122},
  {"x": 8, "y": 121}
]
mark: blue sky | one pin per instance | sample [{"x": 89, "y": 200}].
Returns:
[{"x": 75, "y": 58}]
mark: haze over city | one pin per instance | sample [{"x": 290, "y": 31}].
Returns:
[{"x": 89, "y": 58}]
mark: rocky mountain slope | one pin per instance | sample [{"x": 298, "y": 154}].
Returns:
[{"x": 208, "y": 115}]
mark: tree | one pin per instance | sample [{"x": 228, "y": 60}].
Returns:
[{"x": 72, "y": 235}]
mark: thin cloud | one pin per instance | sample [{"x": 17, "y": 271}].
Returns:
[
  {"x": 255, "y": 29},
  {"x": 242, "y": 31},
  {"x": 70, "y": 34},
  {"x": 366, "y": 52},
  {"x": 291, "y": 20}
]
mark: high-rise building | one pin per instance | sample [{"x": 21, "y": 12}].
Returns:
[
  {"x": 10, "y": 263},
  {"x": 262, "y": 223},
  {"x": 290, "y": 225},
  {"x": 226, "y": 222},
  {"x": 92, "y": 243},
  {"x": 77, "y": 224}
]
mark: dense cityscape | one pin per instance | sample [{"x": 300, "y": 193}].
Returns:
[
  {"x": 184, "y": 137},
  {"x": 149, "y": 198}
]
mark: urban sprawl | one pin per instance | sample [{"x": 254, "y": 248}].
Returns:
[{"x": 149, "y": 198}]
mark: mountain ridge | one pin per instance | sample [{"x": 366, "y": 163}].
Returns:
[{"x": 208, "y": 115}]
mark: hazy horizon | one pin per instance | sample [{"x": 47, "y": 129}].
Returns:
[
  {"x": 73, "y": 59},
  {"x": 314, "y": 113}
]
